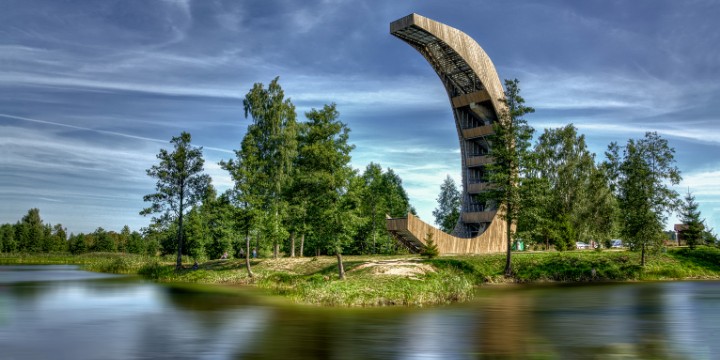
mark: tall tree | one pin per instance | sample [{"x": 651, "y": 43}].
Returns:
[
  {"x": 220, "y": 224},
  {"x": 33, "y": 234},
  {"x": 77, "y": 244},
  {"x": 299, "y": 195},
  {"x": 103, "y": 241},
  {"x": 325, "y": 157},
  {"x": 564, "y": 191},
  {"x": 374, "y": 202},
  {"x": 136, "y": 244},
  {"x": 691, "y": 218},
  {"x": 273, "y": 131},
  {"x": 510, "y": 151},
  {"x": 123, "y": 239},
  {"x": 397, "y": 200},
  {"x": 642, "y": 175},
  {"x": 180, "y": 183},
  {"x": 247, "y": 191},
  {"x": 447, "y": 212},
  {"x": 381, "y": 193},
  {"x": 200, "y": 230},
  {"x": 9, "y": 244}
]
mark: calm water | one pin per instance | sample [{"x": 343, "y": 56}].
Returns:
[{"x": 59, "y": 312}]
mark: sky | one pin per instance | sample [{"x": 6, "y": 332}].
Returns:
[{"x": 90, "y": 91}]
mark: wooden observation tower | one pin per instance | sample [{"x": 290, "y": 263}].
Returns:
[{"x": 475, "y": 92}]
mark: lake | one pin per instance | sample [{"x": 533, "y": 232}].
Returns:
[{"x": 61, "y": 312}]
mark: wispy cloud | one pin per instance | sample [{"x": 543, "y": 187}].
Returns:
[
  {"x": 105, "y": 132},
  {"x": 96, "y": 88}
]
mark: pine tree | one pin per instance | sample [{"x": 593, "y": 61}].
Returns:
[
  {"x": 430, "y": 250},
  {"x": 510, "y": 153},
  {"x": 694, "y": 226},
  {"x": 103, "y": 241},
  {"x": 180, "y": 184}
]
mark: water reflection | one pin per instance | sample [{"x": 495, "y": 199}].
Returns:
[{"x": 81, "y": 317}]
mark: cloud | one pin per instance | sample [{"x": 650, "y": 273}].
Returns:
[{"x": 87, "y": 84}]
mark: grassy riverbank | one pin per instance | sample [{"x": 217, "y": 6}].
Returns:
[{"x": 402, "y": 280}]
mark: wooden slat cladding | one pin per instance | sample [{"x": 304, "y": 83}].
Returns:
[
  {"x": 478, "y": 217},
  {"x": 473, "y": 161},
  {"x": 476, "y": 94},
  {"x": 477, "y": 188},
  {"x": 477, "y": 132},
  {"x": 472, "y": 98}
]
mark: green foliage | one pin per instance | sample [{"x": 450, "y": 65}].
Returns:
[
  {"x": 135, "y": 243},
  {"x": 293, "y": 181},
  {"x": 447, "y": 212},
  {"x": 565, "y": 195},
  {"x": 710, "y": 238},
  {"x": 155, "y": 271},
  {"x": 180, "y": 184},
  {"x": 8, "y": 243},
  {"x": 269, "y": 147},
  {"x": 118, "y": 265},
  {"x": 694, "y": 226},
  {"x": 565, "y": 235},
  {"x": 703, "y": 256},
  {"x": 430, "y": 250},
  {"x": 510, "y": 153},
  {"x": 31, "y": 234},
  {"x": 103, "y": 241},
  {"x": 642, "y": 176},
  {"x": 380, "y": 194}
]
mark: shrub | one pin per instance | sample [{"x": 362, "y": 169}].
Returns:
[{"x": 430, "y": 250}]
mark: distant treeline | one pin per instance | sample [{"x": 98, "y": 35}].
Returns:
[
  {"x": 32, "y": 235},
  {"x": 211, "y": 228}
]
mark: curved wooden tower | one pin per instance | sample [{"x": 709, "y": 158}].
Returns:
[{"x": 475, "y": 94}]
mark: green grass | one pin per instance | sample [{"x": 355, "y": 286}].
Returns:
[
  {"x": 366, "y": 289},
  {"x": 374, "y": 281},
  {"x": 114, "y": 263}
]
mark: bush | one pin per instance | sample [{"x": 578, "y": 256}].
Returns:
[{"x": 155, "y": 271}]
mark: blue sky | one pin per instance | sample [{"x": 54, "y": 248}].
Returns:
[{"x": 91, "y": 90}]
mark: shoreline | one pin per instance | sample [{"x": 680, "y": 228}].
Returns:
[{"x": 405, "y": 280}]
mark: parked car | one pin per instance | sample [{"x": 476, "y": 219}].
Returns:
[
  {"x": 617, "y": 244},
  {"x": 581, "y": 245}
]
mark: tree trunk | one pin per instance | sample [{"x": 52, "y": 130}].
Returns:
[
  {"x": 292, "y": 244},
  {"x": 374, "y": 231},
  {"x": 341, "y": 269},
  {"x": 642, "y": 257},
  {"x": 276, "y": 246},
  {"x": 247, "y": 253},
  {"x": 508, "y": 264},
  {"x": 302, "y": 245},
  {"x": 178, "y": 265}
]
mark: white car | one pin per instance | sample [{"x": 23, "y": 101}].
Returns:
[{"x": 581, "y": 245}]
